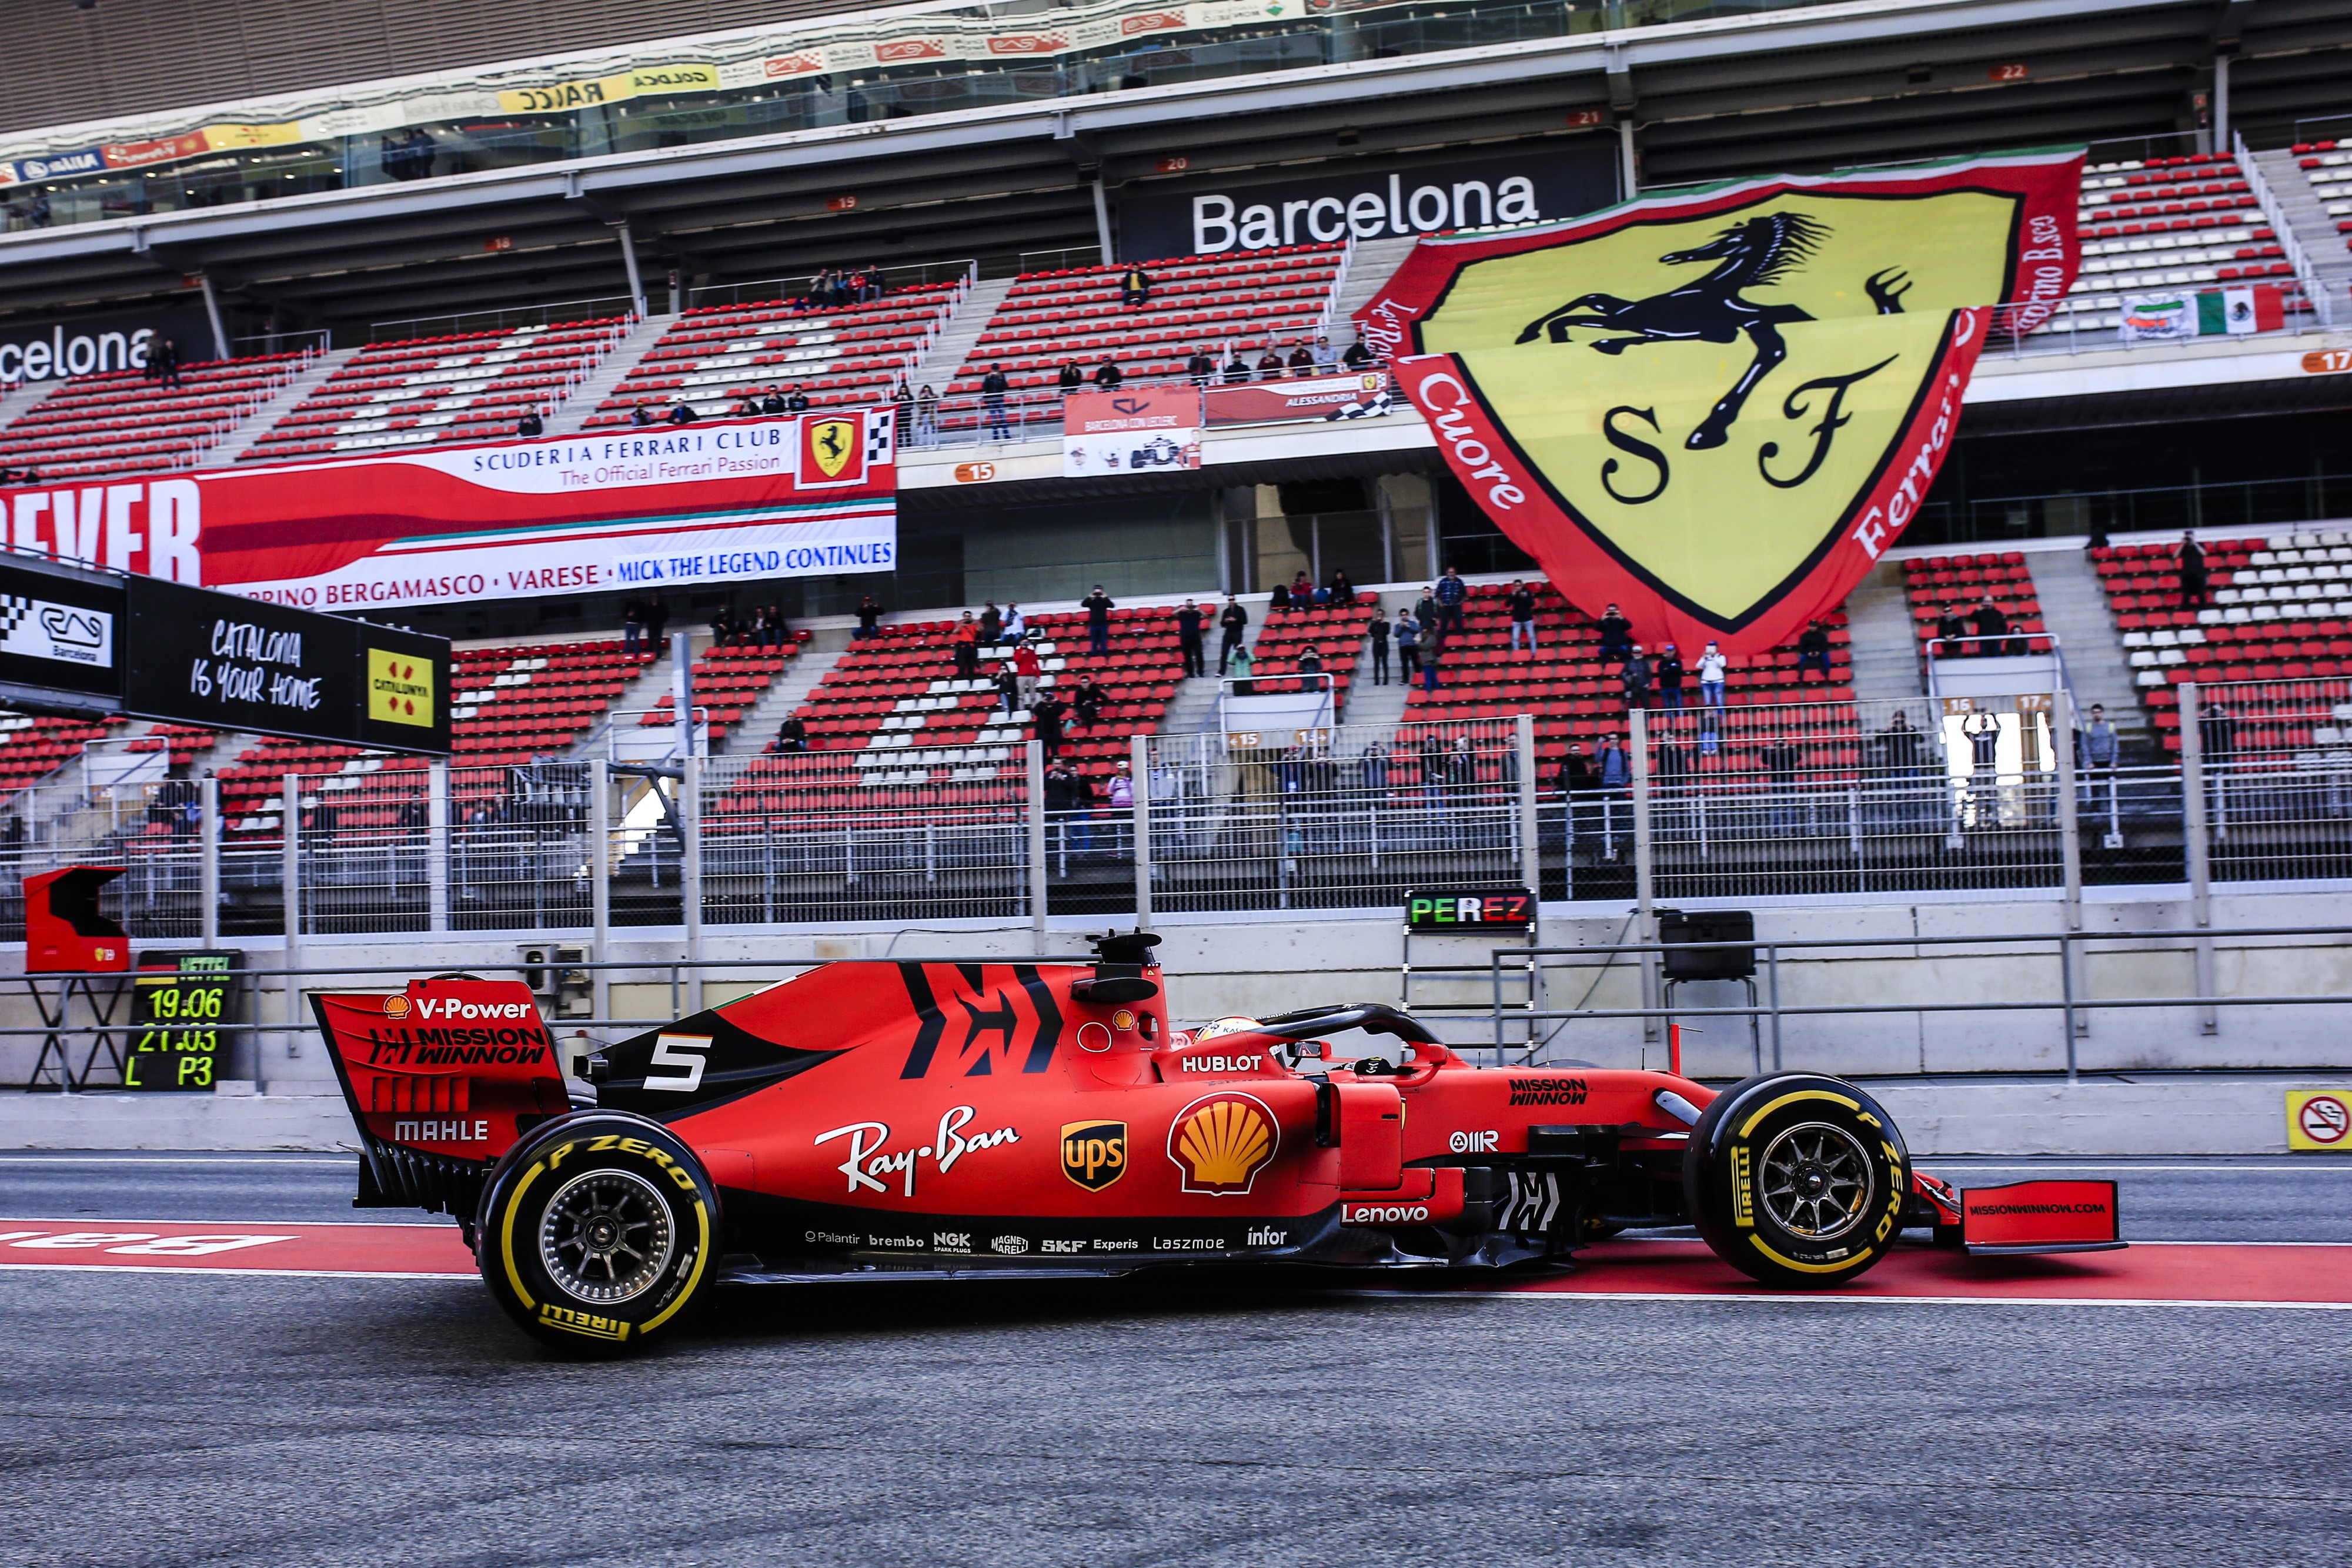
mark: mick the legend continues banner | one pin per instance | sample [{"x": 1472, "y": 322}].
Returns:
[{"x": 1716, "y": 409}]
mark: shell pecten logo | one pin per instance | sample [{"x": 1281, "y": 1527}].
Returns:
[{"x": 1220, "y": 1142}]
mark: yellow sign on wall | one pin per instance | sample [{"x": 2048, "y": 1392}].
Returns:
[
  {"x": 400, "y": 688},
  {"x": 2319, "y": 1120}
]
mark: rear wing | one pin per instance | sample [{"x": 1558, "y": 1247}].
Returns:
[{"x": 442, "y": 1078}]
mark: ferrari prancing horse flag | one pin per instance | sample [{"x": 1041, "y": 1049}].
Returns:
[{"x": 1717, "y": 408}]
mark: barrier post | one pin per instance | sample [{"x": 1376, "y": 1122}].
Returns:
[
  {"x": 1139, "y": 765},
  {"x": 600, "y": 882},
  {"x": 689, "y": 823},
  {"x": 1531, "y": 862},
  {"x": 2070, "y": 858},
  {"x": 208, "y": 864},
  {"x": 2198, "y": 849},
  {"x": 1646, "y": 924},
  {"x": 1034, "y": 772},
  {"x": 436, "y": 844},
  {"x": 290, "y": 879}
]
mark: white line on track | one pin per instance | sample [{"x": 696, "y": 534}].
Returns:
[
  {"x": 183, "y": 1270},
  {"x": 1815, "y": 1298}
]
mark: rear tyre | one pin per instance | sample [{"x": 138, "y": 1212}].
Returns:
[
  {"x": 1797, "y": 1178},
  {"x": 597, "y": 1233}
]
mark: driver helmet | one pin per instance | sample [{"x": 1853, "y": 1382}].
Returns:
[{"x": 1224, "y": 1026}]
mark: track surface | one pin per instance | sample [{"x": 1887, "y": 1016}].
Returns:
[{"x": 214, "y": 1418}]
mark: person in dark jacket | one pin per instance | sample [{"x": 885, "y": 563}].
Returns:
[
  {"x": 1069, "y": 378},
  {"x": 1813, "y": 651},
  {"x": 1201, "y": 369},
  {"x": 2190, "y": 556},
  {"x": 1135, "y": 288},
  {"x": 1046, "y": 711},
  {"x": 1521, "y": 603},
  {"x": 1098, "y": 606},
  {"x": 1616, "y": 637},
  {"x": 1668, "y": 669},
  {"x": 530, "y": 424},
  {"x": 992, "y": 388},
  {"x": 1087, "y": 702},
  {"x": 1189, "y": 623},
  {"x": 1379, "y": 631},
  {"x": 1106, "y": 374},
  {"x": 1951, "y": 634},
  {"x": 1992, "y": 625},
  {"x": 790, "y": 735},
  {"x": 1237, "y": 368},
  {"x": 1637, "y": 676},
  {"x": 1233, "y": 621}
]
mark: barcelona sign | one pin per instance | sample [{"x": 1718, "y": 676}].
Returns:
[{"x": 1716, "y": 408}]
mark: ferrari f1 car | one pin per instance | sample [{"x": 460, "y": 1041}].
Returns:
[{"x": 913, "y": 1119}]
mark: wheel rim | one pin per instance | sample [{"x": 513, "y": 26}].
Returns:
[
  {"x": 606, "y": 1236},
  {"x": 1816, "y": 1181}
]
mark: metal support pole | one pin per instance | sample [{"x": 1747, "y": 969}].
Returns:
[
  {"x": 1102, "y": 222},
  {"x": 1530, "y": 864},
  {"x": 2220, "y": 101},
  {"x": 681, "y": 689},
  {"x": 291, "y": 882},
  {"x": 1645, "y": 886},
  {"x": 2070, "y": 853},
  {"x": 212, "y": 312},
  {"x": 1772, "y": 984},
  {"x": 2198, "y": 849},
  {"x": 1139, "y": 751},
  {"x": 1034, "y": 772},
  {"x": 208, "y": 870},
  {"x": 629, "y": 260},
  {"x": 437, "y": 846},
  {"x": 1629, "y": 182},
  {"x": 600, "y": 882},
  {"x": 690, "y": 822}
]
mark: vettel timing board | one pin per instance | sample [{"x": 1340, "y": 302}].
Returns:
[{"x": 1716, "y": 409}]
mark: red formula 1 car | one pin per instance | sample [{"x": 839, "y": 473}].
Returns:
[{"x": 945, "y": 1119}]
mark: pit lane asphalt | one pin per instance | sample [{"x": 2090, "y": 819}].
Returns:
[{"x": 186, "y": 1419}]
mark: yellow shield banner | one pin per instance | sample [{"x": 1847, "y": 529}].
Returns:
[
  {"x": 400, "y": 688},
  {"x": 1715, "y": 409}
]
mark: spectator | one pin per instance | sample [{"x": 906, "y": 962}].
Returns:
[
  {"x": 1237, "y": 368},
  {"x": 633, "y": 626},
  {"x": 1712, "y": 666},
  {"x": 2190, "y": 556},
  {"x": 682, "y": 413},
  {"x": 1451, "y": 592},
  {"x": 1616, "y": 637},
  {"x": 746, "y": 407},
  {"x": 1577, "y": 776},
  {"x": 1087, "y": 702},
  {"x": 1429, "y": 654},
  {"x": 1008, "y": 688},
  {"x": 966, "y": 643},
  {"x": 992, "y": 388},
  {"x": 1992, "y": 625},
  {"x": 1780, "y": 760},
  {"x": 1669, "y": 672},
  {"x": 1064, "y": 798},
  {"x": 1269, "y": 365},
  {"x": 657, "y": 622},
  {"x": 530, "y": 424},
  {"x": 1106, "y": 374},
  {"x": 902, "y": 399},
  {"x": 869, "y": 616},
  {"x": 164, "y": 359},
  {"x": 1637, "y": 677},
  {"x": 927, "y": 417},
  {"x": 1046, "y": 714},
  {"x": 991, "y": 621},
  {"x": 1069, "y": 379},
  {"x": 1241, "y": 666},
  {"x": 1327, "y": 358},
  {"x": 1279, "y": 598},
  {"x": 1521, "y": 602},
  {"x": 2100, "y": 747},
  {"x": 1310, "y": 662},
  {"x": 1098, "y": 606},
  {"x": 1302, "y": 590},
  {"x": 1358, "y": 356},
  {"x": 1342, "y": 591},
  {"x": 1135, "y": 288},
  {"x": 641, "y": 417},
  {"x": 1233, "y": 621},
  {"x": 1201, "y": 369},
  {"x": 1425, "y": 612},
  {"x": 772, "y": 399},
  {"x": 1188, "y": 620},
  {"x": 722, "y": 629},
  {"x": 1016, "y": 625},
  {"x": 1983, "y": 731},
  {"x": 1302, "y": 359},
  {"x": 1121, "y": 796},
  {"x": 1951, "y": 634},
  {"x": 1616, "y": 769},
  {"x": 1813, "y": 651},
  {"x": 1408, "y": 642},
  {"x": 2217, "y": 743},
  {"x": 790, "y": 735},
  {"x": 798, "y": 402},
  {"x": 774, "y": 633},
  {"x": 1028, "y": 669},
  {"x": 1379, "y": 631}
]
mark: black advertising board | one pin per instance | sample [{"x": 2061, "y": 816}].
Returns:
[
  {"x": 60, "y": 632},
  {"x": 1373, "y": 196},
  {"x": 181, "y": 1005},
  {"x": 1469, "y": 909},
  {"x": 230, "y": 663}
]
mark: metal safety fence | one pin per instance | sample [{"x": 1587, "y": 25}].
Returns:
[{"x": 1576, "y": 798}]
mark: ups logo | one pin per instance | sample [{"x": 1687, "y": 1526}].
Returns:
[{"x": 1093, "y": 1154}]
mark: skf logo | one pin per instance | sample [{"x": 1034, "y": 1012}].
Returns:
[
  {"x": 1222, "y": 1141},
  {"x": 1093, "y": 1154},
  {"x": 833, "y": 451}
]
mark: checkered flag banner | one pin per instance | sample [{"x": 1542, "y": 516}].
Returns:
[
  {"x": 13, "y": 608},
  {"x": 881, "y": 437}
]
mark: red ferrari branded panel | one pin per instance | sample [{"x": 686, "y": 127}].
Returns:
[{"x": 2041, "y": 1217}]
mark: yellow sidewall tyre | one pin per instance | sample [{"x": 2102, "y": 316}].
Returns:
[
  {"x": 1797, "y": 1179},
  {"x": 598, "y": 1232}
]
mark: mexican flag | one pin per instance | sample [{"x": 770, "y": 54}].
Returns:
[{"x": 2206, "y": 313}]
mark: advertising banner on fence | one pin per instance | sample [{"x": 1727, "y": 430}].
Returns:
[
  {"x": 2206, "y": 313},
  {"x": 1354, "y": 396},
  {"x": 1127, "y": 431},
  {"x": 1716, "y": 409},
  {"x": 668, "y": 506}
]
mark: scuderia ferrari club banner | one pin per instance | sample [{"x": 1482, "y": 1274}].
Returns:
[
  {"x": 1716, "y": 409},
  {"x": 663, "y": 507}
]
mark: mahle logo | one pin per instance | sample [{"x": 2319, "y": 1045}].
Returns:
[{"x": 1093, "y": 1154}]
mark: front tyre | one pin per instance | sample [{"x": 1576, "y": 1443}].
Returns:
[
  {"x": 1797, "y": 1178},
  {"x": 597, "y": 1232}
]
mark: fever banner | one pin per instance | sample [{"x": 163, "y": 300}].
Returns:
[
  {"x": 1716, "y": 409},
  {"x": 664, "y": 506}
]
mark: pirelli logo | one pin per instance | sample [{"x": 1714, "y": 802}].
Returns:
[
  {"x": 1743, "y": 1201},
  {"x": 585, "y": 1324}
]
